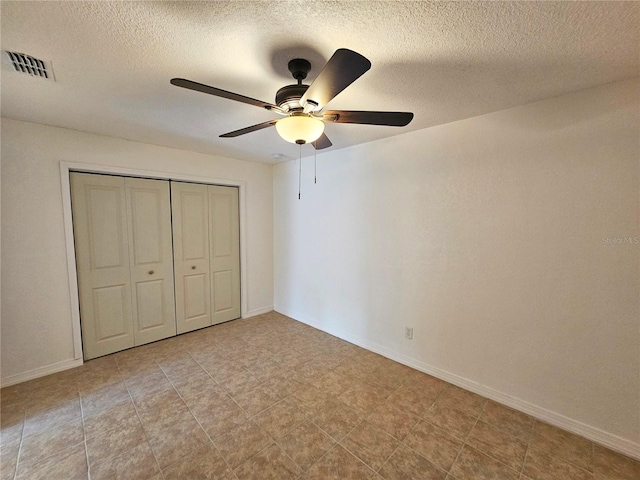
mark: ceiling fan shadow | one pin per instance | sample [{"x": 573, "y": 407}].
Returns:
[{"x": 278, "y": 57}]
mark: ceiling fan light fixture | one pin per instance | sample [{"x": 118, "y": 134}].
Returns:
[{"x": 300, "y": 129}]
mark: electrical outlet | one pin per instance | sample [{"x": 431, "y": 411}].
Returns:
[{"x": 408, "y": 332}]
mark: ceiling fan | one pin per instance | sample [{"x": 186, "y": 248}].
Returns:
[{"x": 302, "y": 105}]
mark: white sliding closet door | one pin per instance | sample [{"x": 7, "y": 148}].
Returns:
[
  {"x": 102, "y": 256},
  {"x": 190, "y": 217},
  {"x": 151, "y": 259},
  {"x": 224, "y": 242}
]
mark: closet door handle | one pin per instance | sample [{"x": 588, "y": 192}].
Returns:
[
  {"x": 150, "y": 272},
  {"x": 193, "y": 267}
]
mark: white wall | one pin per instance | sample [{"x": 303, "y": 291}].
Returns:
[
  {"x": 36, "y": 309},
  {"x": 485, "y": 236}
]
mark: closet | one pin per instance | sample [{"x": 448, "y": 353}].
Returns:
[{"x": 154, "y": 258}]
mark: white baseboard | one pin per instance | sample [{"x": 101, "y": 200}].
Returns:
[
  {"x": 609, "y": 440},
  {"x": 257, "y": 311},
  {"x": 41, "y": 372},
  {"x": 67, "y": 364}
]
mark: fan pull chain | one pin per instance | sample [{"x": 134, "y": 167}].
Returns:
[
  {"x": 315, "y": 161},
  {"x": 299, "y": 170}
]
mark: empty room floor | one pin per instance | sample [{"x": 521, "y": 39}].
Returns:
[{"x": 272, "y": 398}]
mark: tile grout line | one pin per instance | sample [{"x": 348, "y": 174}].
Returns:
[
  {"x": 400, "y": 441},
  {"x": 51, "y": 455},
  {"x": 485, "y": 453},
  {"x": 196, "y": 418},
  {"x": 518, "y": 471},
  {"x": 285, "y": 452},
  {"x": 252, "y": 417},
  {"x": 307, "y": 418},
  {"x": 337, "y": 443},
  {"x": 464, "y": 441},
  {"x": 355, "y": 454},
  {"x": 225, "y": 390},
  {"x": 324, "y": 454},
  {"x": 458, "y": 454},
  {"x": 193, "y": 415},
  {"x": 387, "y": 459},
  {"x": 526, "y": 451},
  {"x": 275, "y": 442},
  {"x": 24, "y": 421},
  {"x": 135, "y": 407},
  {"x": 502, "y": 431},
  {"x": 84, "y": 432},
  {"x": 565, "y": 459},
  {"x": 345, "y": 436}
]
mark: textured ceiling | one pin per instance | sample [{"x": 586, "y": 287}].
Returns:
[{"x": 444, "y": 61}]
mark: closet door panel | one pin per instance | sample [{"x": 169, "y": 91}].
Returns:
[
  {"x": 151, "y": 258},
  {"x": 196, "y": 293},
  {"x": 190, "y": 215},
  {"x": 223, "y": 291},
  {"x": 150, "y": 309},
  {"x": 224, "y": 232},
  {"x": 193, "y": 221},
  {"x": 109, "y": 309},
  {"x": 102, "y": 258},
  {"x": 105, "y": 236}
]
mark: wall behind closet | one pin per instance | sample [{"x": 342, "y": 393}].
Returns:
[{"x": 36, "y": 311}]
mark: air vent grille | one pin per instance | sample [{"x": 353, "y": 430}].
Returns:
[{"x": 30, "y": 65}]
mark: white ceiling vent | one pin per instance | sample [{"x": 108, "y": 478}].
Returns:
[{"x": 22, "y": 63}]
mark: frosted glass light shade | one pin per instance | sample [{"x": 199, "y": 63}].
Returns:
[{"x": 300, "y": 129}]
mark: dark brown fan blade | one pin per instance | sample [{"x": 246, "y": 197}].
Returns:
[
  {"x": 322, "y": 142},
  {"x": 250, "y": 129},
  {"x": 392, "y": 119},
  {"x": 199, "y": 87},
  {"x": 342, "y": 69}
]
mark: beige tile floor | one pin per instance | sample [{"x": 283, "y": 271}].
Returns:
[{"x": 271, "y": 398}]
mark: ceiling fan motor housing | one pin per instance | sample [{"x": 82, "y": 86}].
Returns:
[{"x": 288, "y": 97}]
